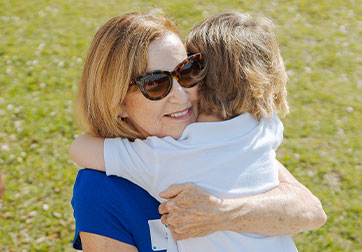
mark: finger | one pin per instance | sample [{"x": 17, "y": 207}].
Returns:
[
  {"x": 189, "y": 234},
  {"x": 172, "y": 220},
  {"x": 174, "y": 190},
  {"x": 162, "y": 209},
  {"x": 178, "y": 237},
  {"x": 183, "y": 227},
  {"x": 197, "y": 234},
  {"x": 164, "y": 219},
  {"x": 171, "y": 228},
  {"x": 190, "y": 229},
  {"x": 168, "y": 207}
]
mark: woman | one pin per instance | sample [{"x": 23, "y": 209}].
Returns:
[{"x": 122, "y": 49}]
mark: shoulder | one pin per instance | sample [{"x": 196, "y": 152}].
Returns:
[
  {"x": 113, "y": 207},
  {"x": 96, "y": 185},
  {"x": 112, "y": 199}
]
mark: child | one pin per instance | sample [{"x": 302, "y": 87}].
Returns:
[{"x": 231, "y": 150}]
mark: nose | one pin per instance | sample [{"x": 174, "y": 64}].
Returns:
[{"x": 178, "y": 94}]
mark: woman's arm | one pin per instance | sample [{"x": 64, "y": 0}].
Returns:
[
  {"x": 287, "y": 209},
  {"x": 95, "y": 243},
  {"x": 88, "y": 151}
]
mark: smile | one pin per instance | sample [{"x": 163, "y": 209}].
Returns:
[{"x": 181, "y": 114}]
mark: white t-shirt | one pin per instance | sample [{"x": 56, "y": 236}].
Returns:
[{"x": 230, "y": 159}]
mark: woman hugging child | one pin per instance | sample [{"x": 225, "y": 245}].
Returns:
[{"x": 231, "y": 150}]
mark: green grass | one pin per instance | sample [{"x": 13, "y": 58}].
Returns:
[{"x": 42, "y": 49}]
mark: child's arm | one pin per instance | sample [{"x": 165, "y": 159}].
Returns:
[
  {"x": 87, "y": 151},
  {"x": 134, "y": 161}
]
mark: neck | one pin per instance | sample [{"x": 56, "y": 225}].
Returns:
[{"x": 208, "y": 118}]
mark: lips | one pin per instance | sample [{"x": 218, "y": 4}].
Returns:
[{"x": 180, "y": 114}]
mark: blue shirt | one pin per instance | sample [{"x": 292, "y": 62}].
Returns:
[{"x": 113, "y": 207}]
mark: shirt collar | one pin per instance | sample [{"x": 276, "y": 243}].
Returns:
[{"x": 212, "y": 132}]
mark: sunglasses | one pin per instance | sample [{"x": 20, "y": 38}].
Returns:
[{"x": 158, "y": 84}]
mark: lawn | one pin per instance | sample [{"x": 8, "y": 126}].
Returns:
[{"x": 43, "y": 45}]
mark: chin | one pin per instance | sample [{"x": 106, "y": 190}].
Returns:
[{"x": 177, "y": 135}]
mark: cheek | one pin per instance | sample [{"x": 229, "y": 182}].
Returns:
[
  {"x": 143, "y": 113},
  {"x": 194, "y": 95}
]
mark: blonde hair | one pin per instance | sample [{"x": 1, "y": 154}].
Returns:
[
  {"x": 117, "y": 55},
  {"x": 243, "y": 70}
]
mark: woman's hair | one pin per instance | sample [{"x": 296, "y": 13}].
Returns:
[
  {"x": 243, "y": 70},
  {"x": 117, "y": 55}
]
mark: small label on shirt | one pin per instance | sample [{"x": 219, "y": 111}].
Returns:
[{"x": 159, "y": 236}]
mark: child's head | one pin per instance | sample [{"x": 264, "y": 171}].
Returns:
[{"x": 243, "y": 69}]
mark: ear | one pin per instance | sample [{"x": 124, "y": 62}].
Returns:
[
  {"x": 123, "y": 115},
  {"x": 122, "y": 112}
]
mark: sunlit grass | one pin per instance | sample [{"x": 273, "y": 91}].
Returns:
[{"x": 42, "y": 49}]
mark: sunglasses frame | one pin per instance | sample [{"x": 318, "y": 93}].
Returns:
[{"x": 139, "y": 80}]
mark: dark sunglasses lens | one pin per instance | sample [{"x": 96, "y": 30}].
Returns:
[
  {"x": 157, "y": 86},
  {"x": 188, "y": 73}
]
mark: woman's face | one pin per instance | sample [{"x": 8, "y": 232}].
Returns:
[{"x": 170, "y": 115}]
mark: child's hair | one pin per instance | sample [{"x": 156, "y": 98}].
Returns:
[{"x": 243, "y": 70}]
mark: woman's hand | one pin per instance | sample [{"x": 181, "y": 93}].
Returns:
[
  {"x": 190, "y": 211},
  {"x": 287, "y": 209}
]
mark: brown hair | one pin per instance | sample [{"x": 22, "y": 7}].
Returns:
[
  {"x": 117, "y": 55},
  {"x": 243, "y": 69}
]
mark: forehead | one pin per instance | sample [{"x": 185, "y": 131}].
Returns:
[{"x": 165, "y": 53}]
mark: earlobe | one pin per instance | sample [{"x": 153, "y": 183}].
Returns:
[{"x": 122, "y": 114}]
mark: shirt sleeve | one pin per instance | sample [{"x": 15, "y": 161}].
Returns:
[
  {"x": 136, "y": 161},
  {"x": 279, "y": 129},
  {"x": 91, "y": 208}
]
